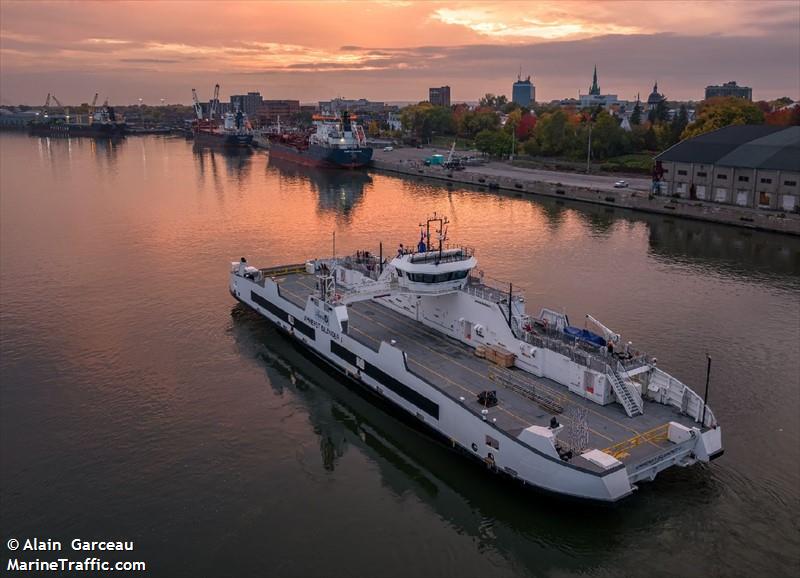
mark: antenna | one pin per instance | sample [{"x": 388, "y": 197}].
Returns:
[{"x": 705, "y": 397}]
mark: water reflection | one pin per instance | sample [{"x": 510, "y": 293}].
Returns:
[
  {"x": 149, "y": 366},
  {"x": 338, "y": 191},
  {"x": 726, "y": 249},
  {"x": 237, "y": 165},
  {"x": 57, "y": 151},
  {"x": 539, "y": 531}
]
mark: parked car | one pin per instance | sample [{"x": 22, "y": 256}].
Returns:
[
  {"x": 388, "y": 149},
  {"x": 621, "y": 185}
]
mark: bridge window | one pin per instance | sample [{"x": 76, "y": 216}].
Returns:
[{"x": 440, "y": 278}]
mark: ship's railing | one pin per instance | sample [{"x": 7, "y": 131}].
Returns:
[
  {"x": 486, "y": 293},
  {"x": 366, "y": 263},
  {"x": 570, "y": 350},
  {"x": 524, "y": 329},
  {"x": 449, "y": 254},
  {"x": 282, "y": 270},
  {"x": 685, "y": 399},
  {"x": 491, "y": 289},
  {"x": 676, "y": 393}
]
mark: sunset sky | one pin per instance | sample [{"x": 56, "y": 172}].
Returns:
[{"x": 392, "y": 50}]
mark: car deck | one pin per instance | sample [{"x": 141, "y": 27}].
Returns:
[{"x": 453, "y": 368}]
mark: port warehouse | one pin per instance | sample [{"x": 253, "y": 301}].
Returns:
[{"x": 754, "y": 166}]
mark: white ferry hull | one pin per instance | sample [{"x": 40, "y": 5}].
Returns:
[{"x": 385, "y": 373}]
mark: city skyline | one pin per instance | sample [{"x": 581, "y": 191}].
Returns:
[{"x": 318, "y": 50}]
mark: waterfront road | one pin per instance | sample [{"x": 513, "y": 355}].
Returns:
[{"x": 414, "y": 156}]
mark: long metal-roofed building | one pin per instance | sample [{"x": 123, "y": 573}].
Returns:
[{"x": 747, "y": 165}]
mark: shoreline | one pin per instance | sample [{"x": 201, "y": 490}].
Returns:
[{"x": 633, "y": 199}]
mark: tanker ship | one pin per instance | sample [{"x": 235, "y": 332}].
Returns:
[
  {"x": 234, "y": 132},
  {"x": 335, "y": 142}
]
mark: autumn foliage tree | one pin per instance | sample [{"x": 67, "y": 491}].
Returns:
[
  {"x": 787, "y": 116},
  {"x": 526, "y": 126},
  {"x": 716, "y": 113}
]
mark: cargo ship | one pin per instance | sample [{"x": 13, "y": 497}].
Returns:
[
  {"x": 334, "y": 142},
  {"x": 103, "y": 123},
  {"x": 234, "y": 132}
]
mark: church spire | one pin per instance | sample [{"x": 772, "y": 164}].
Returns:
[{"x": 594, "y": 90}]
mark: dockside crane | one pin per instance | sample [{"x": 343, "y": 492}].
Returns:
[
  {"x": 213, "y": 108},
  {"x": 92, "y": 108},
  {"x": 61, "y": 106},
  {"x": 198, "y": 110}
]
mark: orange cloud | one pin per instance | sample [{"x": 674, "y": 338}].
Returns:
[{"x": 499, "y": 22}]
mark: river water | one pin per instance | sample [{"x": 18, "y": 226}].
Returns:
[{"x": 139, "y": 402}]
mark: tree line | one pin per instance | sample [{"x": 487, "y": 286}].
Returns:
[{"x": 558, "y": 131}]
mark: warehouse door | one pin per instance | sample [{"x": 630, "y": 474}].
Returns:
[{"x": 741, "y": 198}]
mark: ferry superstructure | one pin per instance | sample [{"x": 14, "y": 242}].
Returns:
[{"x": 556, "y": 407}]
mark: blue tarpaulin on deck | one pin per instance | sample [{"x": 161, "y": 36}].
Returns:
[{"x": 585, "y": 335}]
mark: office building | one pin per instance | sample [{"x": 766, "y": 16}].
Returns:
[
  {"x": 248, "y": 103},
  {"x": 439, "y": 96},
  {"x": 271, "y": 110},
  {"x": 523, "y": 92},
  {"x": 730, "y": 89}
]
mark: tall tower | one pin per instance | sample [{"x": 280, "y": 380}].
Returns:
[{"x": 594, "y": 90}]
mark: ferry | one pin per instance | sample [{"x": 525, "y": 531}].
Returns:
[{"x": 575, "y": 411}]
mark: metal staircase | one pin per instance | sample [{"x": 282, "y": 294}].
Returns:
[{"x": 626, "y": 393}]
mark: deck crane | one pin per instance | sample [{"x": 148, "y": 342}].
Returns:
[
  {"x": 607, "y": 333},
  {"x": 213, "y": 108},
  {"x": 198, "y": 110}
]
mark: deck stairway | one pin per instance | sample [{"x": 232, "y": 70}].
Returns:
[{"x": 626, "y": 393}]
